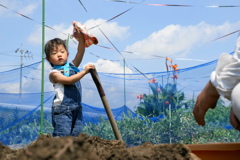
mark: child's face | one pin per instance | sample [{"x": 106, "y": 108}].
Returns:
[{"x": 58, "y": 56}]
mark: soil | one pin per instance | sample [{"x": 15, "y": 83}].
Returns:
[{"x": 84, "y": 147}]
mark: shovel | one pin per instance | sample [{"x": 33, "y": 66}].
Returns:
[{"x": 98, "y": 84}]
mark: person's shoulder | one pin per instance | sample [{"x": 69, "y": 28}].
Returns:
[{"x": 54, "y": 70}]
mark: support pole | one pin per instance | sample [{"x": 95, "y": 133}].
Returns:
[
  {"x": 67, "y": 40},
  {"x": 170, "y": 124},
  {"x": 124, "y": 63},
  {"x": 21, "y": 65},
  {"x": 42, "y": 86},
  {"x": 26, "y": 54}
]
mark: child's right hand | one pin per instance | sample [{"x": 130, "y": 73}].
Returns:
[
  {"x": 88, "y": 67},
  {"x": 87, "y": 36},
  {"x": 78, "y": 35}
]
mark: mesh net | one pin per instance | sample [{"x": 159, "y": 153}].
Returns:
[{"x": 20, "y": 101}]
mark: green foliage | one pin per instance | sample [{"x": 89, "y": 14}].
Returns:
[
  {"x": 162, "y": 99},
  {"x": 25, "y": 129},
  {"x": 102, "y": 129},
  {"x": 177, "y": 127}
]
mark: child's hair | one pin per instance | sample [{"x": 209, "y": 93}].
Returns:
[{"x": 51, "y": 44}]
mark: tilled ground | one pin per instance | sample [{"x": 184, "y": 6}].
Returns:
[{"x": 94, "y": 148}]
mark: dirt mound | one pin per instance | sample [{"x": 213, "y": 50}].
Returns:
[{"x": 94, "y": 148}]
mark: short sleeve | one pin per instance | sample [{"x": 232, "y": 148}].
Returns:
[{"x": 52, "y": 71}]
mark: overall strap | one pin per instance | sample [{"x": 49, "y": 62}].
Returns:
[{"x": 66, "y": 68}]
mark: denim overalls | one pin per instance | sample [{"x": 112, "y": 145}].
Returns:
[{"x": 67, "y": 113}]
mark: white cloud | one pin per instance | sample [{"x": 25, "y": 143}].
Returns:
[
  {"x": 114, "y": 91},
  {"x": 179, "y": 40},
  {"x": 29, "y": 9},
  {"x": 10, "y": 88},
  {"x": 113, "y": 86},
  {"x": 9, "y": 4},
  {"x": 31, "y": 80},
  {"x": 112, "y": 30},
  {"x": 23, "y": 7},
  {"x": 35, "y": 37},
  {"x": 108, "y": 66}
]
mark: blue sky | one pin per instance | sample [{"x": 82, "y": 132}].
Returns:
[{"x": 183, "y": 34}]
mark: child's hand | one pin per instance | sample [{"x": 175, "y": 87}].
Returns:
[
  {"x": 88, "y": 39},
  {"x": 78, "y": 35},
  {"x": 88, "y": 67}
]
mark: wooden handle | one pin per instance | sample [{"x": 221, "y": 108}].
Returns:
[{"x": 98, "y": 84}]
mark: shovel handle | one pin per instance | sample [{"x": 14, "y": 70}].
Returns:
[
  {"x": 101, "y": 92},
  {"x": 97, "y": 82}
]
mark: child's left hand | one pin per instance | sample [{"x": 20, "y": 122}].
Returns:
[{"x": 88, "y": 67}]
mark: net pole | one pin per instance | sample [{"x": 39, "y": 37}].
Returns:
[
  {"x": 124, "y": 82},
  {"x": 42, "y": 85},
  {"x": 67, "y": 40}
]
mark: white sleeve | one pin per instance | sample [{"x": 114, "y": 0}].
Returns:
[
  {"x": 52, "y": 71},
  {"x": 227, "y": 73}
]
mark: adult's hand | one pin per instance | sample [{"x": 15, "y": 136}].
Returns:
[
  {"x": 206, "y": 99},
  {"x": 234, "y": 121}
]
